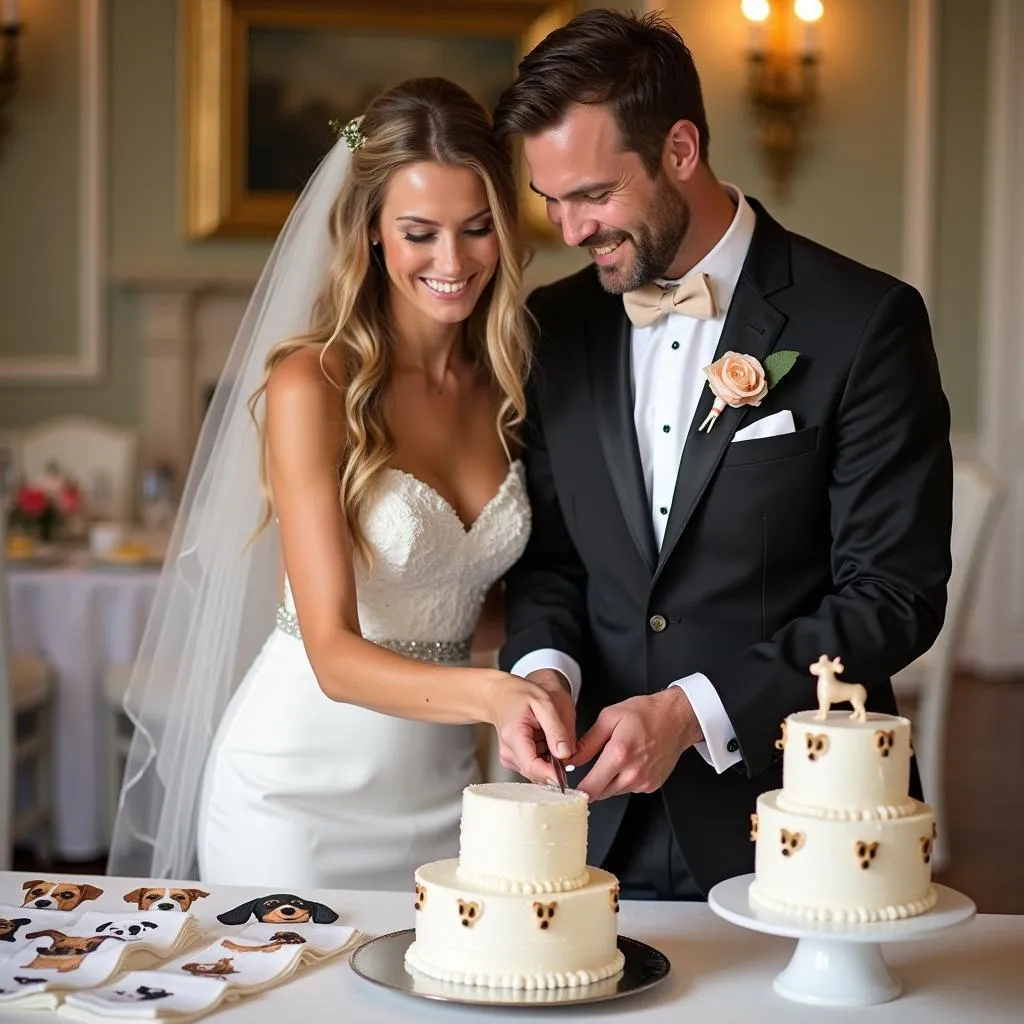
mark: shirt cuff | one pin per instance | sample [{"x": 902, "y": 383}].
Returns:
[
  {"x": 719, "y": 747},
  {"x": 548, "y": 657}
]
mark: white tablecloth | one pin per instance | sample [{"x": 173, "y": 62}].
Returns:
[
  {"x": 720, "y": 974},
  {"x": 82, "y": 620}
]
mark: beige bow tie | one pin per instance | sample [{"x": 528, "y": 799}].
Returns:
[{"x": 692, "y": 297}]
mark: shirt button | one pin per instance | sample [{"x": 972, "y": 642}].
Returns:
[
  {"x": 666, "y": 428},
  {"x": 663, "y": 510},
  {"x": 732, "y": 746},
  {"x": 657, "y": 623},
  {"x": 675, "y": 344}
]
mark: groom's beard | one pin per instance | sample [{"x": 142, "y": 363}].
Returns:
[{"x": 655, "y": 242}]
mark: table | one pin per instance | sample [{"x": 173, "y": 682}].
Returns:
[
  {"x": 720, "y": 973},
  {"x": 81, "y": 619}
]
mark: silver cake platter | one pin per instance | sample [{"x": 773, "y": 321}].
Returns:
[{"x": 382, "y": 961}]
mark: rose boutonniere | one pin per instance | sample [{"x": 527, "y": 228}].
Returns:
[{"x": 737, "y": 379}]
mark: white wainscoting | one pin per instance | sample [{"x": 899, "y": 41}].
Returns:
[
  {"x": 86, "y": 364},
  {"x": 186, "y": 328}
]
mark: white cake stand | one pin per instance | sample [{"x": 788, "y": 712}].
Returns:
[{"x": 837, "y": 964}]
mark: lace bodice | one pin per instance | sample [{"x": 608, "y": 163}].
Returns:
[{"x": 430, "y": 574}]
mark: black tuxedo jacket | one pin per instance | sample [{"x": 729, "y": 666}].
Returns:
[{"x": 832, "y": 540}]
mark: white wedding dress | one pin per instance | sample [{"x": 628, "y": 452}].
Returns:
[{"x": 301, "y": 791}]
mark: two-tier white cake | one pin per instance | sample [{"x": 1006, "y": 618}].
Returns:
[
  {"x": 519, "y": 908},
  {"x": 842, "y": 840}
]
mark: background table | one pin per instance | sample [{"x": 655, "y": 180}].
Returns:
[
  {"x": 720, "y": 973},
  {"x": 81, "y": 619}
]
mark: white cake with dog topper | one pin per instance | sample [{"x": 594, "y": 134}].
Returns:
[
  {"x": 519, "y": 909},
  {"x": 842, "y": 840}
]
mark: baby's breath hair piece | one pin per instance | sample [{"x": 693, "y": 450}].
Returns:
[{"x": 350, "y": 132}]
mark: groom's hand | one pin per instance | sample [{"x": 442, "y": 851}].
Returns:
[{"x": 637, "y": 743}]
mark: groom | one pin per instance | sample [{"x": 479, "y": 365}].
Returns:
[{"x": 680, "y": 581}]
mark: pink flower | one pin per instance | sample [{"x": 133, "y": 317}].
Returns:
[
  {"x": 31, "y": 501},
  {"x": 737, "y": 379},
  {"x": 69, "y": 500}
]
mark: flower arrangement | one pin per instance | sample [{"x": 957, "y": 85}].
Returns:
[{"x": 43, "y": 505}]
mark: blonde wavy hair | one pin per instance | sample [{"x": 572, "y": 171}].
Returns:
[{"x": 425, "y": 119}]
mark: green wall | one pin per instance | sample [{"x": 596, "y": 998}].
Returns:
[
  {"x": 848, "y": 191},
  {"x": 956, "y": 302}
]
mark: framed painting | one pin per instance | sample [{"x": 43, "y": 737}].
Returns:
[{"x": 264, "y": 78}]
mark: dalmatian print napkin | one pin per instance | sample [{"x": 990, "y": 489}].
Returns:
[{"x": 144, "y": 939}]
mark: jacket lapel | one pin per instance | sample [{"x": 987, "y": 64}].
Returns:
[
  {"x": 610, "y": 370},
  {"x": 752, "y": 326}
]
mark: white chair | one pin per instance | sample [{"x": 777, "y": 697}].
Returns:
[
  {"x": 977, "y": 497},
  {"x": 101, "y": 458},
  {"x": 26, "y": 702}
]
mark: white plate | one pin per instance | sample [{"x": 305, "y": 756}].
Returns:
[{"x": 382, "y": 961}]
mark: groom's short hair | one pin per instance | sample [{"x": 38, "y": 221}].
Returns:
[{"x": 636, "y": 64}]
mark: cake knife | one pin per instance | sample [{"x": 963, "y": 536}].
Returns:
[{"x": 562, "y": 778}]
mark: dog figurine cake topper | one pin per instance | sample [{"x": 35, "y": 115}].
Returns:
[{"x": 832, "y": 691}]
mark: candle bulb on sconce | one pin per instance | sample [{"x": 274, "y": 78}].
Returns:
[
  {"x": 756, "y": 12},
  {"x": 808, "y": 13},
  {"x": 782, "y": 81}
]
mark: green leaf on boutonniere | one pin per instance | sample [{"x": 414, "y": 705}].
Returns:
[{"x": 778, "y": 364}]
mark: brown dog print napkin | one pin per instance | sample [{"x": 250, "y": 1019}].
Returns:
[
  {"x": 62, "y": 958},
  {"x": 318, "y": 941},
  {"x": 161, "y": 898},
  {"x": 42, "y": 894}
]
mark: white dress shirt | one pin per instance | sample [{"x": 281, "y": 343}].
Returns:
[{"x": 668, "y": 360}]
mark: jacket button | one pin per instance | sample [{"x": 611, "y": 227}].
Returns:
[
  {"x": 657, "y": 623},
  {"x": 732, "y": 746}
]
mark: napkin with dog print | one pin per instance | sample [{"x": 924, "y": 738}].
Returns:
[
  {"x": 66, "y": 897},
  {"x": 149, "y": 995},
  {"x": 88, "y": 952},
  {"x": 144, "y": 939},
  {"x": 315, "y": 942},
  {"x": 17, "y": 922},
  {"x": 243, "y": 964}
]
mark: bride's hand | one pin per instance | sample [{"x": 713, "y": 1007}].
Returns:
[{"x": 521, "y": 710}]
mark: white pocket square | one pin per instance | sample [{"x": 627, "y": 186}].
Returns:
[{"x": 770, "y": 426}]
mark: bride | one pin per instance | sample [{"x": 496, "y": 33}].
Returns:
[{"x": 336, "y": 554}]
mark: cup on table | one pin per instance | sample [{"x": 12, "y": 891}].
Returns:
[{"x": 104, "y": 538}]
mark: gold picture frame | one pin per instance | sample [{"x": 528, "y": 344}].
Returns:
[{"x": 233, "y": 179}]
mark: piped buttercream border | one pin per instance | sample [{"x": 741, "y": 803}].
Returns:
[
  {"x": 846, "y": 915},
  {"x": 500, "y": 979},
  {"x": 884, "y": 813},
  {"x": 518, "y": 887}
]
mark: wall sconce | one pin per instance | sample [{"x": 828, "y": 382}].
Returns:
[
  {"x": 10, "y": 30},
  {"x": 783, "y": 86}
]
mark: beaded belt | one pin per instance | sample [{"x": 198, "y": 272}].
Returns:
[{"x": 441, "y": 651}]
